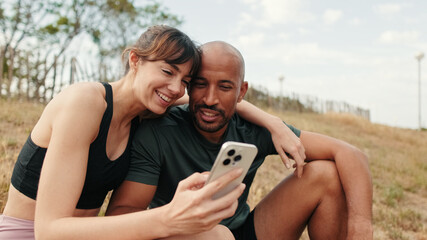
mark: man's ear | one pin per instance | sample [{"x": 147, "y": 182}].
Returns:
[{"x": 243, "y": 90}]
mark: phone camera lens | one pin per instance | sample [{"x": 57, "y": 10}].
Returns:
[
  {"x": 237, "y": 158},
  {"x": 226, "y": 161},
  {"x": 231, "y": 152}
]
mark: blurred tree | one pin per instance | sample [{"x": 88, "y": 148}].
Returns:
[
  {"x": 41, "y": 31},
  {"x": 121, "y": 22},
  {"x": 17, "y": 22}
]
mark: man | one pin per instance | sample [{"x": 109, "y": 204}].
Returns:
[{"x": 333, "y": 197}]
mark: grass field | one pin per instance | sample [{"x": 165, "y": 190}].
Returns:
[{"x": 398, "y": 162}]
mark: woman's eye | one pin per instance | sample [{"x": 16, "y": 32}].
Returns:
[
  {"x": 186, "y": 83},
  {"x": 167, "y": 71}
]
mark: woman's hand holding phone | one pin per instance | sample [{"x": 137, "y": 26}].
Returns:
[{"x": 193, "y": 208}]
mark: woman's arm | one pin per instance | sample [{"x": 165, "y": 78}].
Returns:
[
  {"x": 183, "y": 100},
  {"x": 74, "y": 126},
  {"x": 285, "y": 141}
]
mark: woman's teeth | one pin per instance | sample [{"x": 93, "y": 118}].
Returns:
[{"x": 164, "y": 97}]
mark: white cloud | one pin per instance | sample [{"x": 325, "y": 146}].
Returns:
[
  {"x": 245, "y": 18},
  {"x": 279, "y": 11},
  {"x": 356, "y": 21},
  {"x": 330, "y": 16},
  {"x": 304, "y": 31},
  {"x": 284, "y": 36},
  {"x": 396, "y": 37},
  {"x": 251, "y": 40},
  {"x": 254, "y": 47},
  {"x": 388, "y": 9}
]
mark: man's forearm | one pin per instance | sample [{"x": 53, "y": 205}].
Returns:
[{"x": 356, "y": 180}]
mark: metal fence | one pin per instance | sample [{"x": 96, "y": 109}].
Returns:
[{"x": 302, "y": 103}]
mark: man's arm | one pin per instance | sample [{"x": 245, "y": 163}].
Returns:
[
  {"x": 353, "y": 170},
  {"x": 130, "y": 197}
]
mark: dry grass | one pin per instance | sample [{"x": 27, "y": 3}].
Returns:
[
  {"x": 16, "y": 122},
  {"x": 398, "y": 161}
]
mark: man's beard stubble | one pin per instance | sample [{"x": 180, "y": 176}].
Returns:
[{"x": 205, "y": 126}]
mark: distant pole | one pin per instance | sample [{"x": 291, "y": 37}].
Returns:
[
  {"x": 281, "y": 78},
  {"x": 419, "y": 57}
]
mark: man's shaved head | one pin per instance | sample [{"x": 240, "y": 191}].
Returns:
[{"x": 221, "y": 49}]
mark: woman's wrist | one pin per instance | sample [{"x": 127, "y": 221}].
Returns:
[
  {"x": 160, "y": 219},
  {"x": 272, "y": 122}
]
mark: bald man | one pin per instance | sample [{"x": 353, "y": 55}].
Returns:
[{"x": 333, "y": 196}]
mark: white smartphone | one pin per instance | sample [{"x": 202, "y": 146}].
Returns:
[{"x": 232, "y": 155}]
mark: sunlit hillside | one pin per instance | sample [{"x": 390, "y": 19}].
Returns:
[{"x": 398, "y": 161}]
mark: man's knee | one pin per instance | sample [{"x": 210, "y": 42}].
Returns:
[{"x": 325, "y": 173}]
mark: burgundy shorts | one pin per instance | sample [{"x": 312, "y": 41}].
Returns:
[{"x": 14, "y": 228}]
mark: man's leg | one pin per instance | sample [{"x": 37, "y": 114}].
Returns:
[{"x": 316, "y": 199}]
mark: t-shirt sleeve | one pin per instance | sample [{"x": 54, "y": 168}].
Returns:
[
  {"x": 296, "y": 131},
  {"x": 265, "y": 141},
  {"x": 145, "y": 161}
]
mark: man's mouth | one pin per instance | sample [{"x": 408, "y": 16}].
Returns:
[
  {"x": 164, "y": 97},
  {"x": 208, "y": 114},
  {"x": 208, "y": 118}
]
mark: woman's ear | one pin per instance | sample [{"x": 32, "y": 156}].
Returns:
[{"x": 133, "y": 59}]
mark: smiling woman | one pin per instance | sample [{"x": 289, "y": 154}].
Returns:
[{"x": 79, "y": 149}]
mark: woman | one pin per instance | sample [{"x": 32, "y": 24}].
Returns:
[{"x": 82, "y": 140}]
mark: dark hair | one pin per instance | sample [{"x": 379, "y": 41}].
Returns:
[{"x": 166, "y": 43}]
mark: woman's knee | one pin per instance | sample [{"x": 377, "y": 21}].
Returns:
[
  {"x": 223, "y": 232},
  {"x": 218, "y": 232}
]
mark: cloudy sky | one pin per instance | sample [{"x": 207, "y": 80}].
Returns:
[{"x": 361, "y": 52}]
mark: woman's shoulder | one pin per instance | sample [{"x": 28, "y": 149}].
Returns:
[
  {"x": 84, "y": 90},
  {"x": 81, "y": 95},
  {"x": 80, "y": 100}
]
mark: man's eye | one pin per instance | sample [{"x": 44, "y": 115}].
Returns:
[
  {"x": 226, "y": 87},
  {"x": 197, "y": 84}
]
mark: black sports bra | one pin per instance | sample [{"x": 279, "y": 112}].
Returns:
[{"x": 102, "y": 174}]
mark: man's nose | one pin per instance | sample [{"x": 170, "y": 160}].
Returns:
[{"x": 211, "y": 97}]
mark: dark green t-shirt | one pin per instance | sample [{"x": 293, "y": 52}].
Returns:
[{"x": 169, "y": 149}]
